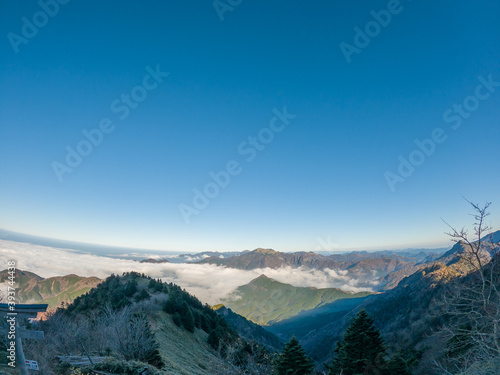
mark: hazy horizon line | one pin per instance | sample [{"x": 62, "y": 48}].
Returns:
[{"x": 5, "y": 234}]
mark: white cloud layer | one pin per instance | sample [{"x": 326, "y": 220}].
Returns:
[{"x": 208, "y": 282}]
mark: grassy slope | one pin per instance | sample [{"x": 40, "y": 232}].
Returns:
[
  {"x": 184, "y": 353},
  {"x": 265, "y": 301}
]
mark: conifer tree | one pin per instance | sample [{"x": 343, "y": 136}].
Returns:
[
  {"x": 362, "y": 349},
  {"x": 170, "y": 305},
  {"x": 397, "y": 366},
  {"x": 214, "y": 338},
  {"x": 293, "y": 360},
  {"x": 187, "y": 318}
]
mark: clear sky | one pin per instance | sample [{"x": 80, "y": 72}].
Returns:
[{"x": 323, "y": 174}]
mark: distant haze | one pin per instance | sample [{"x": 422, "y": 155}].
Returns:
[
  {"x": 208, "y": 282},
  {"x": 141, "y": 253}
]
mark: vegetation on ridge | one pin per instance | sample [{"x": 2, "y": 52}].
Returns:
[
  {"x": 265, "y": 301},
  {"x": 136, "y": 318}
]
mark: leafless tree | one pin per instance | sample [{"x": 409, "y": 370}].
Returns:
[
  {"x": 472, "y": 302},
  {"x": 128, "y": 332},
  {"x": 477, "y": 251},
  {"x": 59, "y": 340},
  {"x": 242, "y": 358}
]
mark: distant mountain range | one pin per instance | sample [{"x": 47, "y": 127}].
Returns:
[
  {"x": 242, "y": 259},
  {"x": 32, "y": 288},
  {"x": 266, "y": 301},
  {"x": 389, "y": 267},
  {"x": 151, "y": 260},
  {"x": 193, "y": 258},
  {"x": 263, "y": 258}
]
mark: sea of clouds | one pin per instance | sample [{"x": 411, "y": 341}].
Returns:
[{"x": 208, "y": 282}]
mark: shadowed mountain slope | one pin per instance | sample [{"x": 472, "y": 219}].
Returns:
[{"x": 266, "y": 301}]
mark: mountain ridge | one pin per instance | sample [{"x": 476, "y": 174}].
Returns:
[
  {"x": 32, "y": 288},
  {"x": 266, "y": 301},
  {"x": 386, "y": 268}
]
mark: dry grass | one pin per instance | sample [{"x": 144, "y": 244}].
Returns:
[{"x": 184, "y": 353}]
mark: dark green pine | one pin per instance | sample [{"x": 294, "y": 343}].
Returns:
[
  {"x": 397, "y": 366},
  {"x": 362, "y": 349},
  {"x": 293, "y": 360}
]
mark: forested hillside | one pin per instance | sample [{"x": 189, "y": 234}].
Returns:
[
  {"x": 266, "y": 301},
  {"x": 134, "y": 318}
]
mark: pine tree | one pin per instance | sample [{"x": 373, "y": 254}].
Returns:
[
  {"x": 176, "y": 318},
  {"x": 214, "y": 338},
  {"x": 130, "y": 288},
  {"x": 170, "y": 305},
  {"x": 187, "y": 319},
  {"x": 397, "y": 366},
  {"x": 362, "y": 349},
  {"x": 143, "y": 294},
  {"x": 293, "y": 360}
]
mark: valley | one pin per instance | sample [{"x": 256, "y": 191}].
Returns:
[{"x": 401, "y": 290}]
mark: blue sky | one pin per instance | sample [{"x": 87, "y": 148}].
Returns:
[{"x": 322, "y": 179}]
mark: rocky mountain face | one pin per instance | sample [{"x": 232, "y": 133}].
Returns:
[
  {"x": 387, "y": 267},
  {"x": 262, "y": 258}
]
